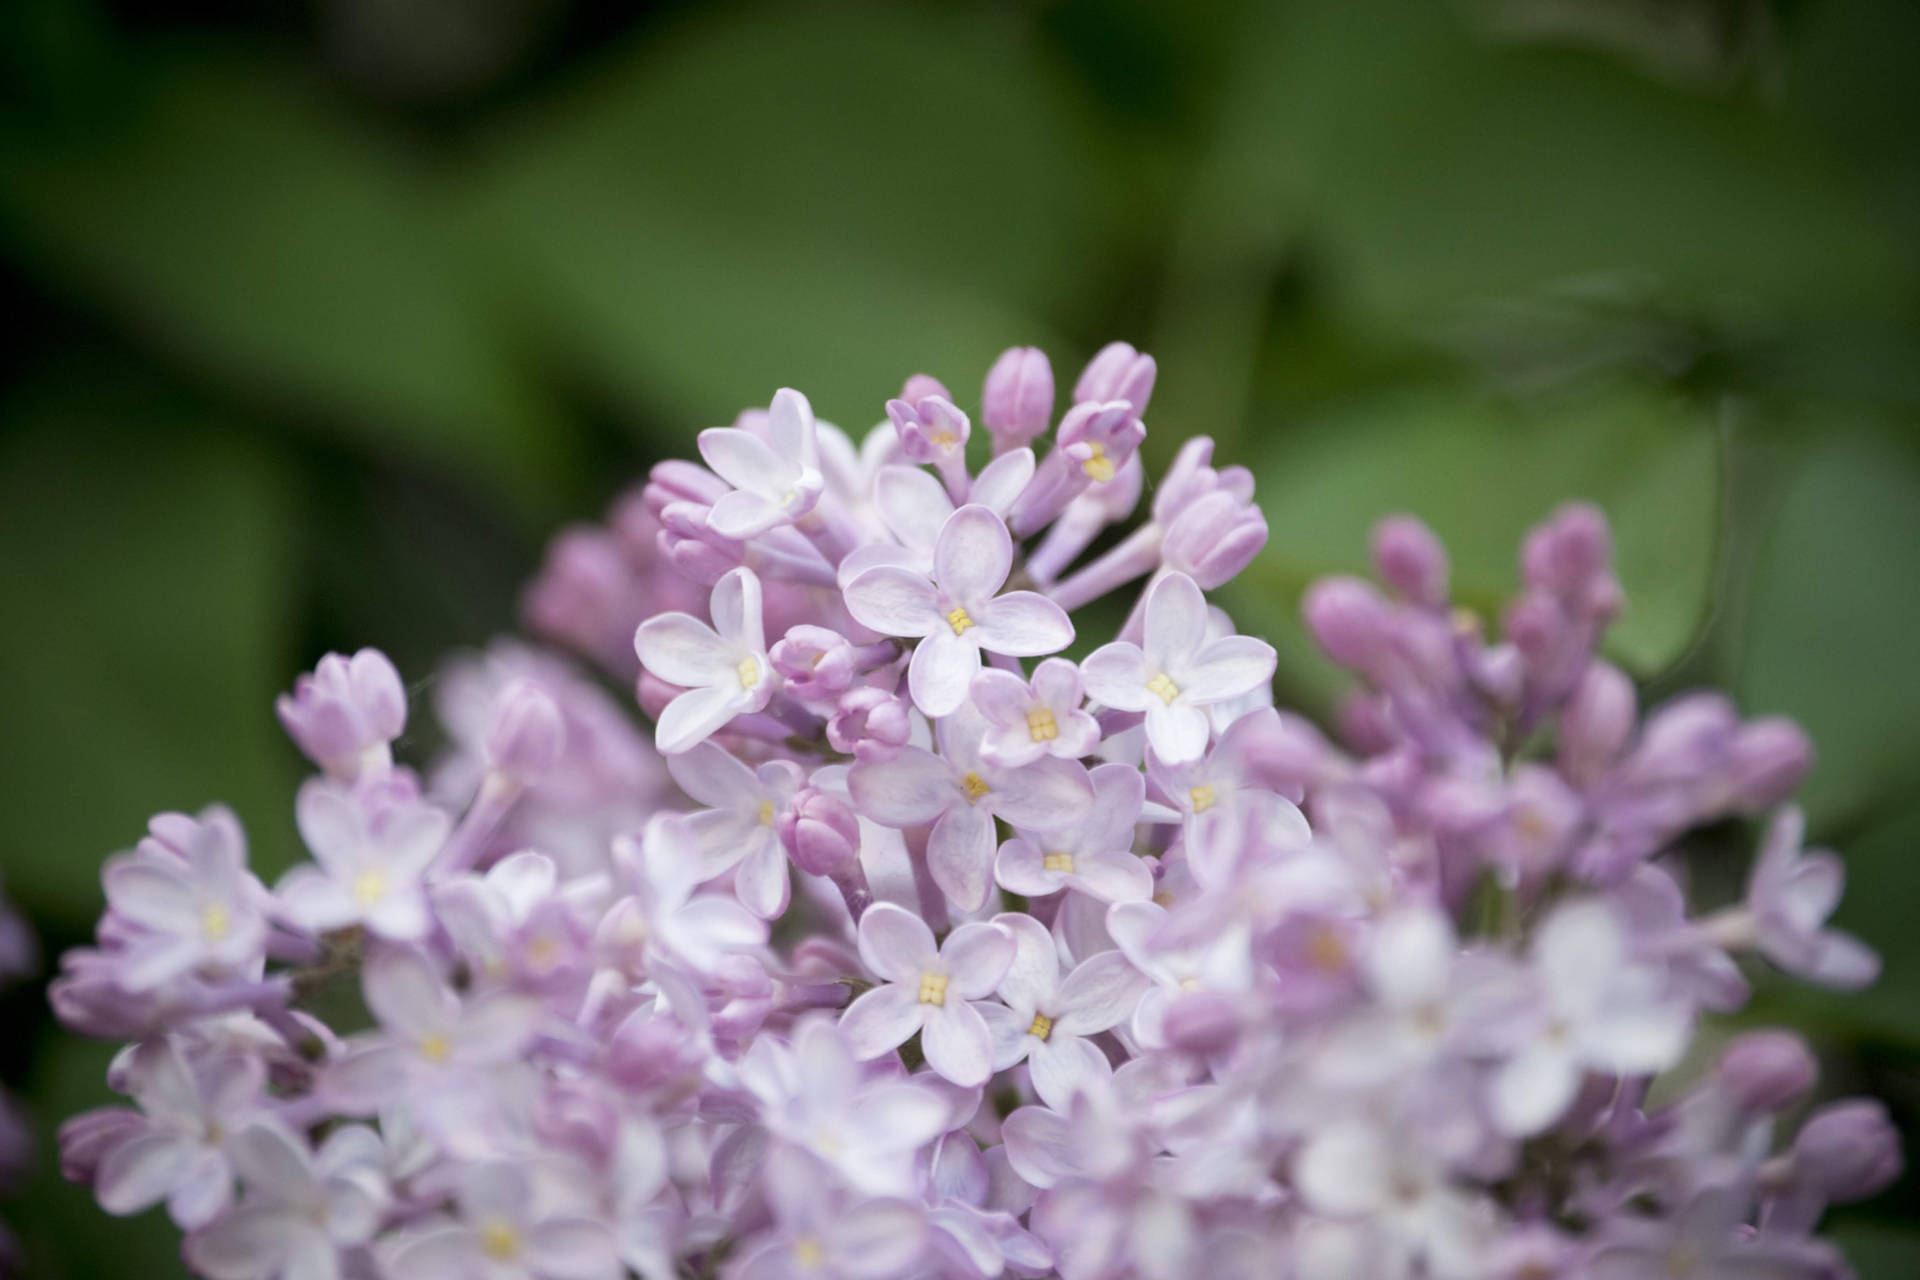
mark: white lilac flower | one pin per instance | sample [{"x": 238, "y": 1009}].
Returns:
[
  {"x": 958, "y": 610},
  {"x": 368, "y": 867},
  {"x": 662, "y": 920},
  {"x": 177, "y": 1150},
  {"x": 724, "y": 668},
  {"x": 931, "y": 989},
  {"x": 775, "y": 480},
  {"x": 1175, "y": 673},
  {"x": 1047, "y": 1018},
  {"x": 738, "y": 833},
  {"x": 1093, "y": 855},
  {"x": 504, "y": 1234},
  {"x": 300, "y": 1207},
  {"x": 194, "y": 908},
  {"x": 915, "y": 508},
  {"x": 817, "y": 1232},
  {"x": 1037, "y": 717}
]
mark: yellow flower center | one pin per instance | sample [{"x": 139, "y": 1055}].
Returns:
[
  {"x": 1040, "y": 725},
  {"x": 808, "y": 1253},
  {"x": 1042, "y": 1026},
  {"x": 1202, "y": 797},
  {"x": 499, "y": 1241},
  {"x": 943, "y": 438},
  {"x": 435, "y": 1047},
  {"x": 214, "y": 921},
  {"x": 933, "y": 989},
  {"x": 1326, "y": 950},
  {"x": 369, "y": 887},
  {"x": 974, "y": 785},
  {"x": 1163, "y": 686},
  {"x": 766, "y": 813},
  {"x": 749, "y": 672},
  {"x": 1098, "y": 465},
  {"x": 959, "y": 621},
  {"x": 1061, "y": 862},
  {"x": 542, "y": 953}
]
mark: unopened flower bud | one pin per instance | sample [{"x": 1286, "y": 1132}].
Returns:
[
  {"x": 1347, "y": 618},
  {"x": 1597, "y": 722},
  {"x": 931, "y": 429},
  {"x": 1411, "y": 560},
  {"x": 1570, "y": 552},
  {"x": 1017, "y": 402},
  {"x": 1769, "y": 759},
  {"x": 1203, "y": 1023},
  {"x": 921, "y": 385},
  {"x": 345, "y": 714},
  {"x": 1848, "y": 1150},
  {"x": 816, "y": 664},
  {"x": 820, "y": 833},
  {"x": 1117, "y": 372},
  {"x": 869, "y": 715},
  {"x": 527, "y": 734},
  {"x": 1212, "y": 540},
  {"x": 1763, "y": 1071}
]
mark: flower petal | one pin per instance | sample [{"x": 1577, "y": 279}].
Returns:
[
  {"x": 1116, "y": 674},
  {"x": 1176, "y": 620},
  {"x": 881, "y": 1020},
  {"x": 960, "y": 855},
  {"x": 1020, "y": 868},
  {"x": 682, "y": 650},
  {"x": 761, "y": 881},
  {"x": 976, "y": 956},
  {"x": 1062, "y": 1066},
  {"x": 1228, "y": 668},
  {"x": 957, "y": 1044},
  {"x": 896, "y": 944},
  {"x": 1178, "y": 733},
  {"x": 1024, "y": 624},
  {"x": 741, "y": 515},
  {"x": 1051, "y": 794},
  {"x": 894, "y": 602},
  {"x": 745, "y": 461},
  {"x": 973, "y": 555},
  {"x": 1101, "y": 992},
  {"x": 909, "y": 789},
  {"x": 943, "y": 667},
  {"x": 735, "y": 608},
  {"x": 695, "y": 716}
]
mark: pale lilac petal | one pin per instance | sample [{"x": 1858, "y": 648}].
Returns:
[
  {"x": 1023, "y": 624},
  {"x": 1811, "y": 890},
  {"x": 960, "y": 855},
  {"x": 1051, "y": 794},
  {"x": 152, "y": 895},
  {"x": 1176, "y": 618},
  {"x": 1002, "y": 697},
  {"x": 1228, "y": 668},
  {"x": 876, "y": 1240},
  {"x": 1100, "y": 993},
  {"x": 141, "y": 1171},
  {"x": 1344, "y": 1171},
  {"x": 399, "y": 916},
  {"x": 973, "y": 555},
  {"x": 1178, "y": 733},
  {"x": 497, "y": 1026},
  {"x": 943, "y": 667},
  {"x": 695, "y": 716},
  {"x": 1410, "y": 958},
  {"x": 1034, "y": 972},
  {"x": 976, "y": 957},
  {"x": 896, "y": 944},
  {"x": 910, "y": 789},
  {"x": 744, "y": 461},
  {"x": 329, "y": 824},
  {"x": 1843, "y": 962},
  {"x": 1009, "y": 1028},
  {"x": 710, "y": 774},
  {"x": 1638, "y": 1040},
  {"x": 792, "y": 430},
  {"x": 1056, "y": 682},
  {"x": 1116, "y": 674},
  {"x": 248, "y": 1244},
  {"x": 735, "y": 608},
  {"x": 270, "y": 1159},
  {"x": 1064, "y": 1065},
  {"x": 1112, "y": 876},
  {"x": 957, "y": 1043},
  {"x": 718, "y": 925},
  {"x": 412, "y": 837},
  {"x": 406, "y": 993},
  {"x": 895, "y": 602},
  {"x": 882, "y": 1019},
  {"x": 1002, "y": 481},
  {"x": 203, "y": 1190},
  {"x": 572, "y": 1249},
  {"x": 721, "y": 837},
  {"x": 913, "y": 503},
  {"x": 1041, "y": 1146},
  {"x": 310, "y": 1256},
  {"x": 762, "y": 881},
  {"x": 314, "y": 901},
  {"x": 908, "y": 1115},
  {"x": 364, "y": 1080},
  {"x": 1020, "y": 869},
  {"x": 682, "y": 650},
  {"x": 1533, "y": 1090},
  {"x": 450, "y": 1254}
]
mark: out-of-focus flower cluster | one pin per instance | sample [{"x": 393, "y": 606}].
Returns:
[
  {"x": 911, "y": 947},
  {"x": 19, "y": 960}
]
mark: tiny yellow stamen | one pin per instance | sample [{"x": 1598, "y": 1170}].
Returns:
[
  {"x": 1466, "y": 621},
  {"x": 975, "y": 786},
  {"x": 1041, "y": 726},
  {"x": 959, "y": 621},
  {"x": 369, "y": 887},
  {"x": 749, "y": 672},
  {"x": 766, "y": 813},
  {"x": 1061, "y": 862},
  {"x": 1042, "y": 1026},
  {"x": 1202, "y": 797},
  {"x": 1162, "y": 685},
  {"x": 542, "y": 952},
  {"x": 808, "y": 1253},
  {"x": 1099, "y": 466},
  {"x": 500, "y": 1242},
  {"x": 933, "y": 989},
  {"x": 435, "y": 1047},
  {"x": 1326, "y": 950},
  {"x": 215, "y": 921},
  {"x": 943, "y": 438}
]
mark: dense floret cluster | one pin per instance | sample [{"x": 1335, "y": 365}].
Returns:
[{"x": 909, "y": 946}]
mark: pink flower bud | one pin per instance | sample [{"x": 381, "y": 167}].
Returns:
[
  {"x": 1597, "y": 722},
  {"x": 527, "y": 734},
  {"x": 1347, "y": 618},
  {"x": 816, "y": 664},
  {"x": 869, "y": 717},
  {"x": 921, "y": 385},
  {"x": 1117, "y": 372},
  {"x": 1411, "y": 559},
  {"x": 346, "y": 712},
  {"x": 1848, "y": 1150},
  {"x": 1763, "y": 1071},
  {"x": 820, "y": 832},
  {"x": 1770, "y": 758},
  {"x": 1017, "y": 402}
]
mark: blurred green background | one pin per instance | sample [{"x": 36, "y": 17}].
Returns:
[{"x": 328, "y": 311}]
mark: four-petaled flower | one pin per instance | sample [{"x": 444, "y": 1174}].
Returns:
[
  {"x": 1047, "y": 1018},
  {"x": 1094, "y": 855},
  {"x": 724, "y": 668},
  {"x": 1030, "y": 719},
  {"x": 930, "y": 989},
  {"x": 740, "y": 832},
  {"x": 775, "y": 481},
  {"x": 368, "y": 868}
]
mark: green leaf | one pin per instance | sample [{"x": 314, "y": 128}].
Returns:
[
  {"x": 145, "y": 568},
  {"x": 1481, "y": 474},
  {"x": 829, "y": 197},
  {"x": 243, "y": 223},
  {"x": 1833, "y": 618}
]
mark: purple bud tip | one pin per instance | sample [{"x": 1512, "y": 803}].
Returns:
[
  {"x": 1848, "y": 1150},
  {"x": 1764, "y": 1071},
  {"x": 1117, "y": 372},
  {"x": 1597, "y": 721},
  {"x": 1411, "y": 559},
  {"x": 1770, "y": 758},
  {"x": 1568, "y": 553},
  {"x": 921, "y": 385},
  {"x": 820, "y": 832},
  {"x": 527, "y": 733},
  {"x": 1017, "y": 402},
  {"x": 1346, "y": 617}
]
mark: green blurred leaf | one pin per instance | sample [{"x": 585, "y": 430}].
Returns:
[
  {"x": 145, "y": 568},
  {"x": 1481, "y": 474},
  {"x": 824, "y": 196},
  {"x": 242, "y": 222},
  {"x": 1833, "y": 618}
]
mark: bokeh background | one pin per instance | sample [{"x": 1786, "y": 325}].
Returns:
[{"x": 326, "y": 312}]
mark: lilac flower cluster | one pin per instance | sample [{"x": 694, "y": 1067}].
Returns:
[{"x": 912, "y": 947}]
